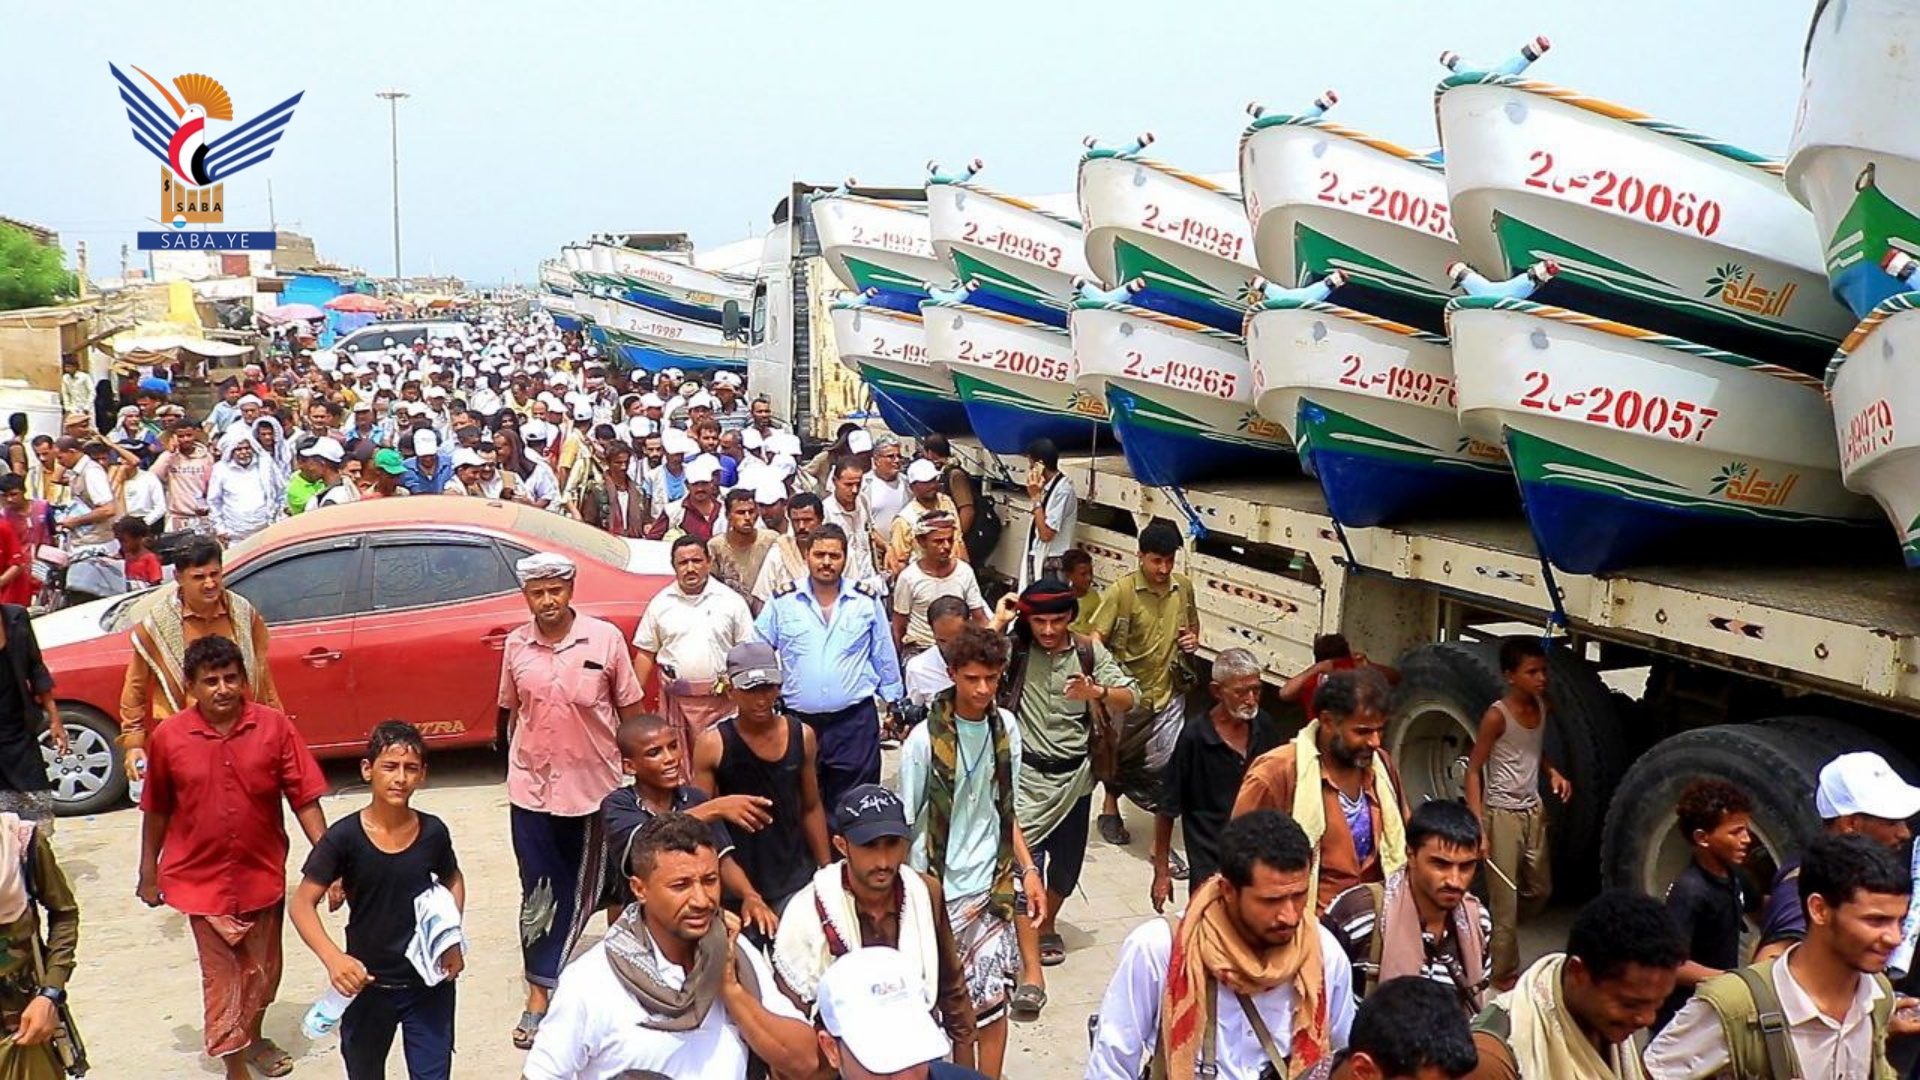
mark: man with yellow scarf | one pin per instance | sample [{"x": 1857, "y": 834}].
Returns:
[
  {"x": 1573, "y": 1015},
  {"x": 1245, "y": 985},
  {"x": 1336, "y": 781}
]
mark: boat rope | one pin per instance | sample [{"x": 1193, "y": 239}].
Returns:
[
  {"x": 1196, "y": 528},
  {"x": 1353, "y": 563},
  {"x": 1558, "y": 616}
]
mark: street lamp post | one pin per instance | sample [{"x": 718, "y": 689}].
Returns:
[{"x": 393, "y": 127}]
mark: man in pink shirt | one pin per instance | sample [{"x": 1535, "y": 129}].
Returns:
[
  {"x": 566, "y": 682},
  {"x": 185, "y": 469}
]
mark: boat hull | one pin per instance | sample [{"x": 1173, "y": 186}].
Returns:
[
  {"x": 1855, "y": 161},
  {"x": 1370, "y": 406},
  {"x": 653, "y": 340},
  {"x": 915, "y": 396},
  {"x": 670, "y": 287},
  {"x": 1872, "y": 389},
  {"x": 1184, "y": 236},
  {"x": 1019, "y": 259},
  {"x": 875, "y": 244},
  {"x": 1630, "y": 446},
  {"x": 1648, "y": 228},
  {"x": 1322, "y": 198},
  {"x": 1015, "y": 379},
  {"x": 1180, "y": 395}
]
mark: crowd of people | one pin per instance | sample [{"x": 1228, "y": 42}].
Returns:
[{"x": 710, "y": 789}]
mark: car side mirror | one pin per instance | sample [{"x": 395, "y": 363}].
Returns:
[{"x": 730, "y": 326}]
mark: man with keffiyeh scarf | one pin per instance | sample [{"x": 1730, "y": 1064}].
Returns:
[{"x": 1242, "y": 985}]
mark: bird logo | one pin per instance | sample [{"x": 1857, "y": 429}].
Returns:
[{"x": 177, "y": 133}]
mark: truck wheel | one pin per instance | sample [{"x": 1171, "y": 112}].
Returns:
[
  {"x": 1643, "y": 850},
  {"x": 1445, "y": 690},
  {"x": 1835, "y": 737},
  {"x": 88, "y": 780}
]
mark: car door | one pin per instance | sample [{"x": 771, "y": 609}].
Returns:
[
  {"x": 441, "y": 606},
  {"x": 309, "y": 595}
]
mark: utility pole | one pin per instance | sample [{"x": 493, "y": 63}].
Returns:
[
  {"x": 273, "y": 221},
  {"x": 393, "y": 127}
]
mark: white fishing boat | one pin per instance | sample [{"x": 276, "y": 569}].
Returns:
[
  {"x": 656, "y": 271},
  {"x": 1323, "y": 197},
  {"x": 1651, "y": 224},
  {"x": 1182, "y": 237},
  {"x": 1630, "y": 444},
  {"x": 888, "y": 347},
  {"x": 1014, "y": 376},
  {"x": 1016, "y": 255},
  {"x": 1871, "y": 390},
  {"x": 1180, "y": 394},
  {"x": 652, "y": 340},
  {"x": 1370, "y": 406},
  {"x": 879, "y": 246},
  {"x": 1855, "y": 159}
]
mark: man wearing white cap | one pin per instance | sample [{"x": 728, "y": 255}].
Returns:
[
  {"x": 566, "y": 682},
  {"x": 729, "y": 407},
  {"x": 876, "y": 1021},
  {"x": 923, "y": 477},
  {"x": 428, "y": 470},
  {"x": 698, "y": 514},
  {"x": 309, "y": 478},
  {"x": 668, "y": 483},
  {"x": 1859, "y": 793},
  {"x": 327, "y": 452}
]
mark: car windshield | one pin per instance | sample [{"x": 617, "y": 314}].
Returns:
[
  {"x": 575, "y": 536},
  {"x": 403, "y": 334}
]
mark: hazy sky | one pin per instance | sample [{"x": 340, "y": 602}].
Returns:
[{"x": 532, "y": 124}]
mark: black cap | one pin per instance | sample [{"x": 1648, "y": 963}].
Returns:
[{"x": 868, "y": 813}]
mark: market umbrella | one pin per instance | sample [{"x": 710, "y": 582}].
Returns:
[
  {"x": 357, "y": 302},
  {"x": 287, "y": 313}
]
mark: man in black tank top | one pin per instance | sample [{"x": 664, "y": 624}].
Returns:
[{"x": 759, "y": 752}]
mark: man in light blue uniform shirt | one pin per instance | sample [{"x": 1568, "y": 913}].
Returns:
[{"x": 836, "y": 644}]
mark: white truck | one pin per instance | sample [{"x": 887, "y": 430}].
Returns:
[{"x": 1759, "y": 673}]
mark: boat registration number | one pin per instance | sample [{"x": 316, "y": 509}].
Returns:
[
  {"x": 1625, "y": 193},
  {"x": 1393, "y": 204},
  {"x": 1194, "y": 378},
  {"x": 911, "y": 353},
  {"x": 1628, "y": 410},
  {"x": 1012, "y": 243},
  {"x": 1398, "y": 382},
  {"x": 1213, "y": 239},
  {"x": 1017, "y": 362},
  {"x": 901, "y": 243},
  {"x": 1868, "y": 431}
]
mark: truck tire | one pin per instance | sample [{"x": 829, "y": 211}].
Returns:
[
  {"x": 1456, "y": 681},
  {"x": 1836, "y": 737},
  {"x": 1776, "y": 767}
]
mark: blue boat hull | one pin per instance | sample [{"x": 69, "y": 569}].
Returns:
[
  {"x": 568, "y": 324},
  {"x": 1010, "y": 429},
  {"x": 679, "y": 309},
  {"x": 654, "y": 360},
  {"x": 1165, "y": 457},
  {"x": 1363, "y": 490}
]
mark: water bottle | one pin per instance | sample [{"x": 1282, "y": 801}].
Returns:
[
  {"x": 139, "y": 782},
  {"x": 325, "y": 1014}
]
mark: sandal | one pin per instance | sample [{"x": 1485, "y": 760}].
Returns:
[
  {"x": 1028, "y": 1000},
  {"x": 526, "y": 1029},
  {"x": 1053, "y": 950},
  {"x": 1113, "y": 830},
  {"x": 267, "y": 1058},
  {"x": 1176, "y": 866}
]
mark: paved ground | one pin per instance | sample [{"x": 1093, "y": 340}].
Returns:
[{"x": 137, "y": 990}]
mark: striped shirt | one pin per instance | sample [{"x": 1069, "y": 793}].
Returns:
[{"x": 1351, "y": 918}]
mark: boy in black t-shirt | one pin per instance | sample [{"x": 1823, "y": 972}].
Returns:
[
  {"x": 650, "y": 753},
  {"x": 1709, "y": 901},
  {"x": 386, "y": 855}
]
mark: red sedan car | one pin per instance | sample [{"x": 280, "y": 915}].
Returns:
[{"x": 388, "y": 609}]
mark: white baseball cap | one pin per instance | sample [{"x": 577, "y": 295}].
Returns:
[
  {"x": 326, "y": 448},
  {"x": 875, "y": 1002},
  {"x": 769, "y": 491},
  {"x": 702, "y": 469},
  {"x": 466, "y": 456},
  {"x": 1863, "y": 783},
  {"x": 425, "y": 442},
  {"x": 675, "y": 441},
  {"x": 859, "y": 442},
  {"x": 922, "y": 471}
]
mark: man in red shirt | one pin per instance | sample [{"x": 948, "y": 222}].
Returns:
[
  {"x": 1331, "y": 653},
  {"x": 213, "y": 845}
]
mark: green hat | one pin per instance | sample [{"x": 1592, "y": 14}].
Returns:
[{"x": 390, "y": 462}]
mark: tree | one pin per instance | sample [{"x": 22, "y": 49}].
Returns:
[{"x": 31, "y": 273}]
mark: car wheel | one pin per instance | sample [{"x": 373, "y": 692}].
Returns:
[{"x": 88, "y": 778}]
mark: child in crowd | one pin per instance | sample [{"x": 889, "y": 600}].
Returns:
[
  {"x": 385, "y": 856},
  {"x": 1708, "y": 901},
  {"x": 142, "y": 565},
  {"x": 650, "y": 753},
  {"x": 1503, "y": 791}
]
